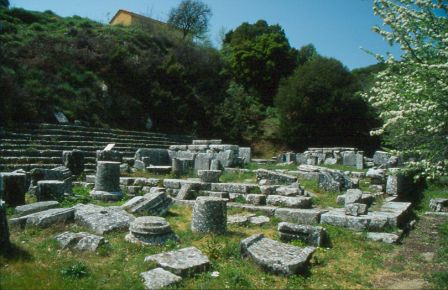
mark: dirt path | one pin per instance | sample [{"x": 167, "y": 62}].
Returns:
[{"x": 411, "y": 265}]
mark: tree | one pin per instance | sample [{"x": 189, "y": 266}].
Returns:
[
  {"x": 239, "y": 115},
  {"x": 306, "y": 53},
  {"x": 318, "y": 107},
  {"x": 4, "y": 3},
  {"x": 191, "y": 17},
  {"x": 411, "y": 93},
  {"x": 259, "y": 55}
]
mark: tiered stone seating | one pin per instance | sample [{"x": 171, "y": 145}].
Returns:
[{"x": 41, "y": 145}]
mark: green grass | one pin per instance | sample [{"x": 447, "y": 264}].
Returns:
[
  {"x": 39, "y": 264},
  {"x": 240, "y": 177},
  {"x": 433, "y": 190}
]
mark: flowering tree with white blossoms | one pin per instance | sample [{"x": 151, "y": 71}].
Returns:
[{"x": 411, "y": 94}]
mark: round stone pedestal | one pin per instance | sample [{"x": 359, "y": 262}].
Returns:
[
  {"x": 150, "y": 230},
  {"x": 107, "y": 181},
  {"x": 209, "y": 215}
]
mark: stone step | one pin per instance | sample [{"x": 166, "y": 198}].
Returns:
[
  {"x": 26, "y": 160},
  {"x": 52, "y": 137},
  {"x": 53, "y": 153},
  {"x": 26, "y": 167},
  {"x": 45, "y": 127},
  {"x": 86, "y": 146}
]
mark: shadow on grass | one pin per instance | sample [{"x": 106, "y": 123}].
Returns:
[{"x": 16, "y": 253}]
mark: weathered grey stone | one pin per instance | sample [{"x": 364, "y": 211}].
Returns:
[
  {"x": 109, "y": 155},
  {"x": 439, "y": 204},
  {"x": 13, "y": 187},
  {"x": 215, "y": 164},
  {"x": 269, "y": 189},
  {"x": 256, "y": 199},
  {"x": 349, "y": 158},
  {"x": 289, "y": 191},
  {"x": 150, "y": 230},
  {"x": 353, "y": 196},
  {"x": 157, "y": 157},
  {"x": 102, "y": 219},
  {"x": 178, "y": 147},
  {"x": 276, "y": 257},
  {"x": 83, "y": 242},
  {"x": 35, "y": 207},
  {"x": 239, "y": 219},
  {"x": 266, "y": 210},
  {"x": 73, "y": 160},
  {"x": 383, "y": 237},
  {"x": 377, "y": 176},
  {"x": 202, "y": 161},
  {"x": 372, "y": 221},
  {"x": 4, "y": 230},
  {"x": 396, "y": 212},
  {"x": 355, "y": 209},
  {"x": 234, "y": 187},
  {"x": 159, "y": 169},
  {"x": 275, "y": 177},
  {"x": 259, "y": 220},
  {"x": 331, "y": 161},
  {"x": 360, "y": 160},
  {"x": 209, "y": 215},
  {"x": 289, "y": 201},
  {"x": 207, "y": 142},
  {"x": 334, "y": 180},
  {"x": 228, "y": 158},
  {"x": 299, "y": 216},
  {"x": 158, "y": 278},
  {"x": 50, "y": 190},
  {"x": 245, "y": 153},
  {"x": 145, "y": 181},
  {"x": 181, "y": 166},
  {"x": 107, "y": 181},
  {"x": 385, "y": 159},
  {"x": 220, "y": 194},
  {"x": 184, "y": 262},
  {"x": 366, "y": 198},
  {"x": 45, "y": 218},
  {"x": 155, "y": 203},
  {"x": 398, "y": 183},
  {"x": 139, "y": 165},
  {"x": 186, "y": 191},
  {"x": 311, "y": 235},
  {"x": 209, "y": 175}
]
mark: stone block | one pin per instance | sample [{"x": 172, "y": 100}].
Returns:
[
  {"x": 159, "y": 278},
  {"x": 299, "y": 216},
  {"x": 311, "y": 235},
  {"x": 439, "y": 204},
  {"x": 107, "y": 181},
  {"x": 276, "y": 257},
  {"x": 259, "y": 220},
  {"x": 83, "y": 242},
  {"x": 355, "y": 209},
  {"x": 256, "y": 199},
  {"x": 207, "y": 142},
  {"x": 183, "y": 262},
  {"x": 156, "y": 203},
  {"x": 202, "y": 161},
  {"x": 246, "y": 154},
  {"x": 387, "y": 238},
  {"x": 289, "y": 201},
  {"x": 157, "y": 156},
  {"x": 35, "y": 207},
  {"x": 101, "y": 219},
  {"x": 50, "y": 190},
  {"x": 209, "y": 175},
  {"x": 150, "y": 230},
  {"x": 234, "y": 187},
  {"x": 74, "y": 160},
  {"x": 275, "y": 177},
  {"x": 209, "y": 215},
  {"x": 45, "y": 218},
  {"x": 109, "y": 155},
  {"x": 349, "y": 158},
  {"x": 181, "y": 166}
]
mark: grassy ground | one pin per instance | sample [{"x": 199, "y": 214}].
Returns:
[
  {"x": 348, "y": 261},
  {"x": 37, "y": 263}
]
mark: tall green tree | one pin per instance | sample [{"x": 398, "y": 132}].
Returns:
[
  {"x": 4, "y": 3},
  {"x": 191, "y": 17},
  {"x": 411, "y": 93},
  {"x": 318, "y": 107},
  {"x": 259, "y": 55}
]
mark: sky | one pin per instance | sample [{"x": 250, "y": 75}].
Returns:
[{"x": 337, "y": 28}]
